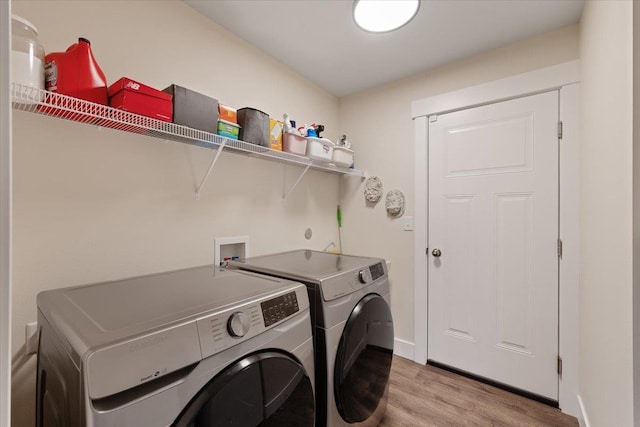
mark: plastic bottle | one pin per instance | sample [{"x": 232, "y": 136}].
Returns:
[
  {"x": 76, "y": 73},
  {"x": 27, "y": 60}
]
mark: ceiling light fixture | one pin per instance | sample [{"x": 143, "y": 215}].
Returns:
[{"x": 381, "y": 16}]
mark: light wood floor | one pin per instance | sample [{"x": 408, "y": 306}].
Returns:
[{"x": 428, "y": 396}]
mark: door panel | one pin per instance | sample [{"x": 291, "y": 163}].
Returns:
[
  {"x": 514, "y": 279},
  {"x": 459, "y": 229},
  {"x": 470, "y": 148},
  {"x": 493, "y": 214}
]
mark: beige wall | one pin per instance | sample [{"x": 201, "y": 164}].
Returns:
[
  {"x": 93, "y": 205},
  {"x": 96, "y": 205},
  {"x": 606, "y": 214},
  {"x": 380, "y": 127},
  {"x": 636, "y": 216}
]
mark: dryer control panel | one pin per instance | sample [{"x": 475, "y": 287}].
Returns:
[
  {"x": 377, "y": 271},
  {"x": 227, "y": 328},
  {"x": 351, "y": 281}
]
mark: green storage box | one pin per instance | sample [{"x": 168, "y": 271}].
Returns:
[{"x": 228, "y": 129}]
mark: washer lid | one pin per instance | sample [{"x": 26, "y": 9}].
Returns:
[
  {"x": 116, "y": 305},
  {"x": 98, "y": 314},
  {"x": 305, "y": 265}
]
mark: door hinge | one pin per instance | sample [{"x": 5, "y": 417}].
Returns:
[
  {"x": 559, "y": 366},
  {"x": 560, "y": 130},
  {"x": 426, "y": 251},
  {"x": 433, "y": 118},
  {"x": 559, "y": 248}
]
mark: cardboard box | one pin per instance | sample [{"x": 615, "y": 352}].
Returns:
[
  {"x": 194, "y": 109},
  {"x": 135, "y": 97},
  {"x": 228, "y": 129},
  {"x": 275, "y": 134},
  {"x": 227, "y": 113}
]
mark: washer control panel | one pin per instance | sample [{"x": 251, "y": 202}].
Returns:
[
  {"x": 279, "y": 308},
  {"x": 227, "y": 328},
  {"x": 238, "y": 324}
]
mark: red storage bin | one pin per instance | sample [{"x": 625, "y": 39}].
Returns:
[{"x": 135, "y": 97}]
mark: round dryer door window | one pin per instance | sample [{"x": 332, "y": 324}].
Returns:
[
  {"x": 363, "y": 360},
  {"x": 267, "y": 389}
]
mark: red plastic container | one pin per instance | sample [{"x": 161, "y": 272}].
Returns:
[
  {"x": 135, "y": 97},
  {"x": 76, "y": 73}
]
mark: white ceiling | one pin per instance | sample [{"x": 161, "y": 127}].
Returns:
[{"x": 319, "y": 40}]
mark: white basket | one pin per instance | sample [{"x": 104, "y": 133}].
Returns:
[
  {"x": 319, "y": 149},
  {"x": 293, "y": 143},
  {"x": 342, "y": 156}
]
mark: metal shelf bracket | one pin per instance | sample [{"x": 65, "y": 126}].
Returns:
[
  {"x": 213, "y": 163},
  {"x": 286, "y": 192},
  {"x": 363, "y": 175}
]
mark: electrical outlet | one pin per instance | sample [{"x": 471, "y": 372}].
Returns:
[
  {"x": 31, "y": 338},
  {"x": 408, "y": 223}
]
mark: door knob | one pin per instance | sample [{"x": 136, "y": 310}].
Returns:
[{"x": 436, "y": 253}]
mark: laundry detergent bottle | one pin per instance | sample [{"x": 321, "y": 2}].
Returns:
[{"x": 76, "y": 73}]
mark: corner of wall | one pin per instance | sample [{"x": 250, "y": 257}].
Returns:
[
  {"x": 5, "y": 216},
  {"x": 636, "y": 215},
  {"x": 583, "y": 420}
]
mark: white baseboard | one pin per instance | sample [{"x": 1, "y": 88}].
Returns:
[
  {"x": 403, "y": 348},
  {"x": 583, "y": 420}
]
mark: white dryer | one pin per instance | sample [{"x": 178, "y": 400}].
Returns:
[
  {"x": 195, "y": 347},
  {"x": 353, "y": 330}
]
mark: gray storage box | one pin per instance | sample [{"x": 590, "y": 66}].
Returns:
[
  {"x": 194, "y": 109},
  {"x": 254, "y": 126}
]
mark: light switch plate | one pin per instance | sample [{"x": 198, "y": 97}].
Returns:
[{"x": 408, "y": 223}]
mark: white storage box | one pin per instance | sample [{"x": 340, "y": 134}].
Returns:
[
  {"x": 342, "y": 156},
  {"x": 294, "y": 143},
  {"x": 319, "y": 149}
]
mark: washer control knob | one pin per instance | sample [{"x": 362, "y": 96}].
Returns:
[
  {"x": 238, "y": 324},
  {"x": 364, "y": 276}
]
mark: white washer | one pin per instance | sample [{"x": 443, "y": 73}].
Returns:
[
  {"x": 195, "y": 347},
  {"x": 353, "y": 330}
]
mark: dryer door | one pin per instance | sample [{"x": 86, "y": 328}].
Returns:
[
  {"x": 363, "y": 360},
  {"x": 263, "y": 389}
]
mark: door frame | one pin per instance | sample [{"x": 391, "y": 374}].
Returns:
[
  {"x": 5, "y": 214},
  {"x": 565, "y": 78}
]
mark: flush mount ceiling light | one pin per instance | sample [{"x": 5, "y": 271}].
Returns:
[{"x": 381, "y": 16}]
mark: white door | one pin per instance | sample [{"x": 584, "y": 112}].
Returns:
[{"x": 493, "y": 215}]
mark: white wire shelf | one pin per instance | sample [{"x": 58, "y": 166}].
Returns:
[{"x": 25, "y": 98}]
